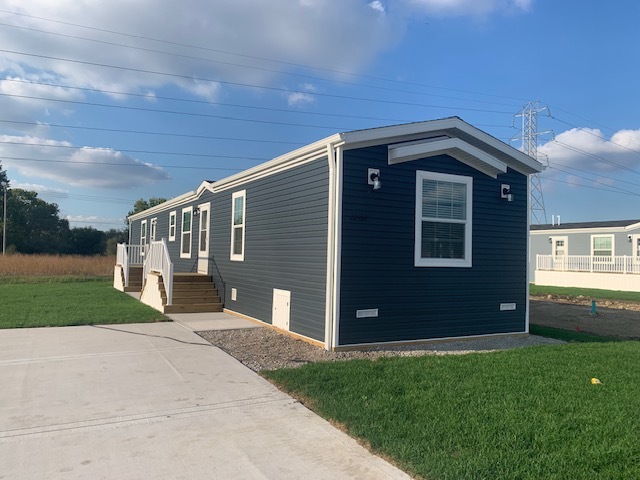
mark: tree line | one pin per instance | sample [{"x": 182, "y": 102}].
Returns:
[{"x": 35, "y": 226}]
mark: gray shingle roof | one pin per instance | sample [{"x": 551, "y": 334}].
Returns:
[{"x": 604, "y": 224}]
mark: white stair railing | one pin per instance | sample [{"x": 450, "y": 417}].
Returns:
[
  {"x": 157, "y": 260},
  {"x": 122, "y": 259},
  {"x": 127, "y": 255}
]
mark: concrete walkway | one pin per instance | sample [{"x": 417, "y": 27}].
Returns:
[
  {"x": 154, "y": 401},
  {"x": 200, "y": 322}
]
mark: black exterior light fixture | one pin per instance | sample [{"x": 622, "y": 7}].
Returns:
[
  {"x": 505, "y": 192},
  {"x": 373, "y": 178}
]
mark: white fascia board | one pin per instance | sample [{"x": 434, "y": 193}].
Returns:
[
  {"x": 633, "y": 226},
  {"x": 472, "y": 156},
  {"x": 312, "y": 151},
  {"x": 522, "y": 163},
  {"x": 173, "y": 202},
  {"x": 592, "y": 230},
  {"x": 530, "y": 165}
]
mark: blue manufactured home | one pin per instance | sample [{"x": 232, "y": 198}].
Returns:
[{"x": 396, "y": 234}]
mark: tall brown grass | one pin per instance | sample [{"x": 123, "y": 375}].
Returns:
[{"x": 19, "y": 265}]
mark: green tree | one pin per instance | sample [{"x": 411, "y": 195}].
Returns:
[
  {"x": 87, "y": 241},
  {"x": 4, "y": 180},
  {"x": 112, "y": 238},
  {"x": 33, "y": 225},
  {"x": 142, "y": 204}
]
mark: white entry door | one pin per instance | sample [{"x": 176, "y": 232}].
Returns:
[{"x": 203, "y": 237}]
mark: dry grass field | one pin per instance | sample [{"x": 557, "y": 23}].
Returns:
[{"x": 18, "y": 265}]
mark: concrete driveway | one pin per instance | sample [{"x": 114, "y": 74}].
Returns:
[{"x": 155, "y": 401}]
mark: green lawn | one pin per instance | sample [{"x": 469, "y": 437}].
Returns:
[
  {"x": 585, "y": 292},
  {"x": 568, "y": 335},
  {"x": 521, "y": 414},
  {"x": 60, "y": 302}
]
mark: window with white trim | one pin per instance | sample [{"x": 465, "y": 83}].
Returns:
[
  {"x": 172, "y": 226},
  {"x": 143, "y": 236},
  {"x": 238, "y": 210},
  {"x": 443, "y": 228},
  {"x": 152, "y": 229},
  {"x": 602, "y": 245},
  {"x": 185, "y": 236}
]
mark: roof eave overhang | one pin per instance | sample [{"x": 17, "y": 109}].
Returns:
[
  {"x": 454, "y": 147},
  {"x": 173, "y": 202}
]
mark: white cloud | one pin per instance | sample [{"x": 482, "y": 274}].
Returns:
[
  {"x": 471, "y": 7},
  {"x": 300, "y": 97},
  {"x": 340, "y": 35},
  {"x": 586, "y": 157},
  {"x": 590, "y": 149},
  {"x": 378, "y": 6},
  {"x": 84, "y": 167}
]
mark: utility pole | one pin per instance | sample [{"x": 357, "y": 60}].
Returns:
[
  {"x": 529, "y": 138},
  {"x": 4, "y": 218}
]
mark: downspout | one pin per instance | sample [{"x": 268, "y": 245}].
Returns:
[{"x": 331, "y": 214}]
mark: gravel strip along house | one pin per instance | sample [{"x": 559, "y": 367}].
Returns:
[{"x": 389, "y": 235}]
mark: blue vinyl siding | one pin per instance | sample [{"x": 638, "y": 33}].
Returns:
[
  {"x": 285, "y": 246},
  {"x": 378, "y": 234}
]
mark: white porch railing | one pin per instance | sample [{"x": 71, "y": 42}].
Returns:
[
  {"x": 588, "y": 263},
  {"x": 157, "y": 259},
  {"x": 127, "y": 255}
]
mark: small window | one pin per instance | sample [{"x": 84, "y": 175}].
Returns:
[
  {"x": 443, "y": 220},
  {"x": 152, "y": 230},
  {"x": 185, "y": 239},
  {"x": 238, "y": 207},
  {"x": 172, "y": 226},
  {"x": 602, "y": 245},
  {"x": 143, "y": 236}
]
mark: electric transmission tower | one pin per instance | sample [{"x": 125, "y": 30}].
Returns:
[{"x": 529, "y": 138}]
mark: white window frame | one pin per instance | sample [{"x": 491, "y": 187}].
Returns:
[
  {"x": 238, "y": 257},
  {"x": 613, "y": 244},
  {"x": 634, "y": 245},
  {"x": 183, "y": 232},
  {"x": 153, "y": 229},
  {"x": 173, "y": 216},
  {"x": 143, "y": 236},
  {"x": 465, "y": 262}
]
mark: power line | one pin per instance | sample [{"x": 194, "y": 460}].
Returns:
[
  {"x": 200, "y": 102},
  {"x": 147, "y": 132},
  {"x": 248, "y": 85},
  {"x": 253, "y": 67},
  {"x": 172, "y": 112},
  {"x": 595, "y": 135},
  {"x": 592, "y": 187},
  {"x": 73, "y": 147},
  {"x": 593, "y": 173},
  {"x": 593, "y": 155},
  {"x": 595, "y": 181},
  {"x": 24, "y": 159},
  {"x": 253, "y": 57}
]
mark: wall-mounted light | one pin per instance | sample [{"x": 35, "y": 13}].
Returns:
[
  {"x": 373, "y": 178},
  {"x": 629, "y": 238},
  {"x": 196, "y": 212},
  {"x": 550, "y": 239},
  {"x": 505, "y": 192}
]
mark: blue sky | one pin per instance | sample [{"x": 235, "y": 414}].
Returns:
[{"x": 102, "y": 103}]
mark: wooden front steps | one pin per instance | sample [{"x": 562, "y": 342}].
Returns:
[
  {"x": 192, "y": 293},
  {"x": 135, "y": 279}
]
